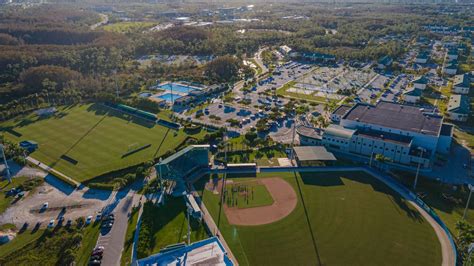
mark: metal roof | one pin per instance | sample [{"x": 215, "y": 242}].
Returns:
[
  {"x": 313, "y": 153},
  {"x": 396, "y": 116},
  {"x": 339, "y": 131}
]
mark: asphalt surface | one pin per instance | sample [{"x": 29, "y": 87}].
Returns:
[{"x": 113, "y": 240}]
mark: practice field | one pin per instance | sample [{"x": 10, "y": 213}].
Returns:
[
  {"x": 347, "y": 218},
  {"x": 85, "y": 141}
]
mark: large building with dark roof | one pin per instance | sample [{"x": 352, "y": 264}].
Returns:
[{"x": 398, "y": 132}]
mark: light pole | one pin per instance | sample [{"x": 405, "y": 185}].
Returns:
[
  {"x": 471, "y": 188},
  {"x": 7, "y": 169},
  {"x": 418, "y": 168},
  {"x": 371, "y": 155}
]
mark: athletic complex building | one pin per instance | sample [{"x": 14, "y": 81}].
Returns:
[
  {"x": 404, "y": 134},
  {"x": 187, "y": 162}
]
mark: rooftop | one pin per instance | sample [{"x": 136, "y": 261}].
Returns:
[
  {"x": 413, "y": 92},
  {"x": 458, "y": 104},
  {"x": 206, "y": 252},
  {"x": 386, "y": 137},
  {"x": 421, "y": 80},
  {"x": 462, "y": 81},
  {"x": 309, "y": 132},
  {"x": 342, "y": 110},
  {"x": 339, "y": 131},
  {"x": 313, "y": 153},
  {"x": 396, "y": 116},
  {"x": 385, "y": 60}
]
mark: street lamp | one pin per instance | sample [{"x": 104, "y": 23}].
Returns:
[
  {"x": 471, "y": 188},
  {"x": 7, "y": 169},
  {"x": 418, "y": 168}
]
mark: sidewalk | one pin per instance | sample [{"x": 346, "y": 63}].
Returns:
[{"x": 51, "y": 170}]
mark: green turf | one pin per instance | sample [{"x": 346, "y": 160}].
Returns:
[
  {"x": 95, "y": 136},
  {"x": 247, "y": 195},
  {"x": 166, "y": 225},
  {"x": 45, "y": 247},
  {"x": 340, "y": 219},
  {"x": 5, "y": 201}
]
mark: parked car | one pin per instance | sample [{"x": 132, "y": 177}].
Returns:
[
  {"x": 51, "y": 224},
  {"x": 88, "y": 219}
]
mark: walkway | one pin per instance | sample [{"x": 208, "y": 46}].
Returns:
[{"x": 51, "y": 170}]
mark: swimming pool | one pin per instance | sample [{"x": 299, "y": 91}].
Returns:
[
  {"x": 177, "y": 87},
  {"x": 169, "y": 96}
]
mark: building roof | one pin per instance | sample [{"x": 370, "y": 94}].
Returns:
[
  {"x": 386, "y": 60},
  {"x": 309, "y": 132},
  {"x": 451, "y": 65},
  {"x": 447, "y": 130},
  {"x": 423, "y": 55},
  {"x": 386, "y": 137},
  {"x": 458, "y": 104},
  {"x": 421, "y": 80},
  {"x": 339, "y": 131},
  {"x": 319, "y": 56},
  {"x": 396, "y": 116},
  {"x": 181, "y": 152},
  {"x": 313, "y": 153},
  {"x": 341, "y": 110},
  {"x": 413, "y": 92},
  {"x": 462, "y": 81},
  {"x": 205, "y": 252}
]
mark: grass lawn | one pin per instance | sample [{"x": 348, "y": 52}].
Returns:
[
  {"x": 85, "y": 141},
  {"x": 345, "y": 218},
  {"x": 166, "y": 225},
  {"x": 45, "y": 247},
  {"x": 283, "y": 91},
  {"x": 20, "y": 241},
  {"x": 463, "y": 136},
  {"x": 22, "y": 181},
  {"x": 247, "y": 195},
  {"x": 125, "y": 260}
]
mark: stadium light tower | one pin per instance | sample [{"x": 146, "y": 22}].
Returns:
[
  {"x": 7, "y": 169},
  {"x": 422, "y": 150}
]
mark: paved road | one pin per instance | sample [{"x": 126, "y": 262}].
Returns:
[
  {"x": 114, "y": 240},
  {"x": 104, "y": 19}
]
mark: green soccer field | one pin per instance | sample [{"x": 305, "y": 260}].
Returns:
[
  {"x": 345, "y": 218},
  {"x": 86, "y": 141}
]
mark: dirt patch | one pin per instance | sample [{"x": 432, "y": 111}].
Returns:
[{"x": 284, "y": 202}]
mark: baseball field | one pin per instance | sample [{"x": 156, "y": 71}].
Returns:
[
  {"x": 84, "y": 141},
  {"x": 346, "y": 218}
]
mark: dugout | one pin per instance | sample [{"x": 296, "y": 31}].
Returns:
[{"x": 313, "y": 156}]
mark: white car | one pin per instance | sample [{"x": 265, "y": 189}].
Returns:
[
  {"x": 89, "y": 219},
  {"x": 51, "y": 224},
  {"x": 45, "y": 205}
]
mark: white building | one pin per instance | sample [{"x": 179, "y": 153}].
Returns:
[
  {"x": 405, "y": 134},
  {"x": 458, "y": 107},
  {"x": 412, "y": 95},
  {"x": 420, "y": 83},
  {"x": 451, "y": 68},
  {"x": 285, "y": 50},
  {"x": 461, "y": 84}
]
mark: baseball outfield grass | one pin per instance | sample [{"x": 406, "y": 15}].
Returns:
[
  {"x": 345, "y": 218},
  {"x": 85, "y": 141}
]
